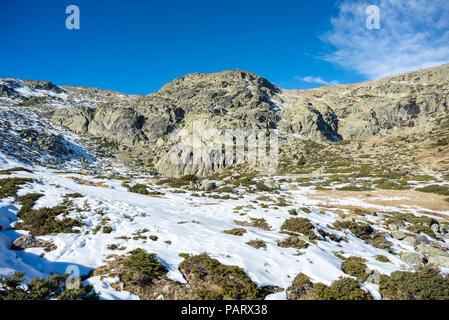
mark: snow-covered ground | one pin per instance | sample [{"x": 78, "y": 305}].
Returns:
[{"x": 192, "y": 224}]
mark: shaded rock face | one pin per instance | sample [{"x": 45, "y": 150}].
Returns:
[
  {"x": 312, "y": 120},
  {"x": 371, "y": 108},
  {"x": 6, "y": 91},
  {"x": 43, "y": 85},
  {"x": 213, "y": 96},
  {"x": 44, "y": 141},
  {"x": 227, "y": 100}
]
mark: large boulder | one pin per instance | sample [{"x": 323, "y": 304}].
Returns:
[
  {"x": 412, "y": 258},
  {"x": 29, "y": 241},
  {"x": 399, "y": 235}
]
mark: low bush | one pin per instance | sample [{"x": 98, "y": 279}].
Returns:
[
  {"x": 293, "y": 242},
  {"x": 441, "y": 190},
  {"x": 43, "y": 221},
  {"x": 341, "y": 289},
  {"x": 382, "y": 258},
  {"x": 355, "y": 266},
  {"x": 365, "y": 232},
  {"x": 300, "y": 225},
  {"x": 257, "y": 244},
  {"x": 236, "y": 231},
  {"x": 139, "y": 188},
  {"x": 10, "y": 171},
  {"x": 425, "y": 284},
  {"x": 142, "y": 266},
  {"x": 219, "y": 281},
  {"x": 300, "y": 288},
  {"x": 10, "y": 186},
  {"x": 355, "y": 188},
  {"x": 50, "y": 288},
  {"x": 260, "y": 223}
]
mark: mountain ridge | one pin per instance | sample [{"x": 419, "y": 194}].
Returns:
[{"x": 407, "y": 104}]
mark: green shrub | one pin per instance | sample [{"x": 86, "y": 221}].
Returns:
[
  {"x": 418, "y": 228},
  {"x": 331, "y": 236},
  {"x": 53, "y": 287},
  {"x": 10, "y": 186},
  {"x": 305, "y": 210},
  {"x": 300, "y": 288},
  {"x": 107, "y": 229},
  {"x": 425, "y": 284},
  {"x": 27, "y": 201},
  {"x": 179, "y": 182},
  {"x": 219, "y": 281},
  {"x": 143, "y": 266},
  {"x": 341, "y": 289},
  {"x": 382, "y": 258},
  {"x": 391, "y": 185},
  {"x": 139, "y": 188},
  {"x": 300, "y": 225},
  {"x": 260, "y": 223},
  {"x": 10, "y": 171},
  {"x": 441, "y": 190},
  {"x": 418, "y": 224},
  {"x": 236, "y": 231},
  {"x": 43, "y": 221},
  {"x": 360, "y": 230},
  {"x": 355, "y": 188},
  {"x": 355, "y": 266},
  {"x": 365, "y": 232},
  {"x": 73, "y": 195},
  {"x": 257, "y": 244},
  {"x": 293, "y": 242}
]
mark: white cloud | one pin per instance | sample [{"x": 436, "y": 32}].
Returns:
[
  {"x": 319, "y": 80},
  {"x": 413, "y": 35}
]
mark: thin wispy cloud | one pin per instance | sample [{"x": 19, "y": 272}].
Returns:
[
  {"x": 413, "y": 35},
  {"x": 317, "y": 80}
]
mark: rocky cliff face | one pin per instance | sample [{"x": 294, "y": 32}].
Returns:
[
  {"x": 407, "y": 101},
  {"x": 143, "y": 125}
]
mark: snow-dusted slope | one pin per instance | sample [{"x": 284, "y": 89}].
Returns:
[{"x": 192, "y": 225}]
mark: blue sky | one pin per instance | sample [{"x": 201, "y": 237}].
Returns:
[{"x": 136, "y": 46}]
